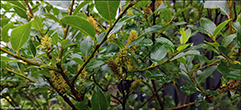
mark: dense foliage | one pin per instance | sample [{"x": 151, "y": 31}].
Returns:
[{"x": 106, "y": 54}]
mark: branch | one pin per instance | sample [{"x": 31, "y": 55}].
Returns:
[
  {"x": 63, "y": 96},
  {"x": 26, "y": 60},
  {"x": 183, "y": 106},
  {"x": 103, "y": 40},
  {"x": 75, "y": 93},
  {"x": 157, "y": 95},
  {"x": 20, "y": 75},
  {"x": 153, "y": 66}
]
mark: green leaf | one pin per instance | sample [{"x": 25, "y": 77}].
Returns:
[
  {"x": 136, "y": 41},
  {"x": 86, "y": 46},
  {"x": 107, "y": 96},
  {"x": 6, "y": 59},
  {"x": 94, "y": 64},
  {"x": 181, "y": 10},
  {"x": 190, "y": 52},
  {"x": 223, "y": 68},
  {"x": 82, "y": 106},
  {"x": 145, "y": 42},
  {"x": 4, "y": 32},
  {"x": 98, "y": 100},
  {"x": 157, "y": 75},
  {"x": 166, "y": 42},
  {"x": 19, "y": 8},
  {"x": 31, "y": 47},
  {"x": 43, "y": 72},
  {"x": 20, "y": 35},
  {"x": 80, "y": 23},
  {"x": 161, "y": 7},
  {"x": 4, "y": 21},
  {"x": 235, "y": 75},
  {"x": 56, "y": 11},
  {"x": 181, "y": 47},
  {"x": 198, "y": 29},
  {"x": 188, "y": 89},
  {"x": 158, "y": 52},
  {"x": 219, "y": 28},
  {"x": 50, "y": 16},
  {"x": 227, "y": 40},
  {"x": 36, "y": 23},
  {"x": 151, "y": 29},
  {"x": 80, "y": 6},
  {"x": 183, "y": 37},
  {"x": 107, "y": 9},
  {"x": 55, "y": 38},
  {"x": 237, "y": 26},
  {"x": 77, "y": 60},
  {"x": 208, "y": 25},
  {"x": 224, "y": 50},
  {"x": 64, "y": 42},
  {"x": 201, "y": 77},
  {"x": 119, "y": 43}
]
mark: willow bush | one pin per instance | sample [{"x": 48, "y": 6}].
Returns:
[{"x": 99, "y": 55}]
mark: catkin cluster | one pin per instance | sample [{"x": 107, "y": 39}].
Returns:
[
  {"x": 114, "y": 68},
  {"x": 110, "y": 38},
  {"x": 133, "y": 36},
  {"x": 93, "y": 22},
  {"x": 58, "y": 80},
  {"x": 46, "y": 43},
  {"x": 136, "y": 85}
]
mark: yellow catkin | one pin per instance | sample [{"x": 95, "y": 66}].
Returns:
[
  {"x": 158, "y": 3},
  {"x": 58, "y": 80},
  {"x": 114, "y": 68},
  {"x": 135, "y": 85},
  {"x": 122, "y": 58},
  {"x": 83, "y": 74},
  {"x": 93, "y": 22},
  {"x": 46, "y": 42},
  {"x": 110, "y": 38},
  {"x": 129, "y": 12}
]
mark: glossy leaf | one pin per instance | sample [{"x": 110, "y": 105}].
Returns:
[
  {"x": 55, "y": 38},
  {"x": 158, "y": 52},
  {"x": 227, "y": 40},
  {"x": 190, "y": 52},
  {"x": 6, "y": 59},
  {"x": 145, "y": 42},
  {"x": 19, "y": 8},
  {"x": 219, "y": 28},
  {"x": 108, "y": 97},
  {"x": 80, "y": 23},
  {"x": 80, "y": 6},
  {"x": 31, "y": 47},
  {"x": 20, "y": 35},
  {"x": 161, "y": 7},
  {"x": 181, "y": 47},
  {"x": 237, "y": 26},
  {"x": 77, "y": 60},
  {"x": 50, "y": 16},
  {"x": 107, "y": 9},
  {"x": 166, "y": 42},
  {"x": 182, "y": 10},
  {"x": 224, "y": 50},
  {"x": 4, "y": 32},
  {"x": 36, "y": 23},
  {"x": 188, "y": 89},
  {"x": 208, "y": 25},
  {"x": 152, "y": 29},
  {"x": 201, "y": 77},
  {"x": 136, "y": 41},
  {"x": 82, "y": 106},
  {"x": 98, "y": 100},
  {"x": 183, "y": 37},
  {"x": 86, "y": 46},
  {"x": 198, "y": 29}
]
